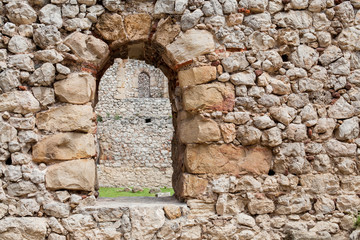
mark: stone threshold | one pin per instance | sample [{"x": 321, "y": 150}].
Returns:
[{"x": 136, "y": 202}]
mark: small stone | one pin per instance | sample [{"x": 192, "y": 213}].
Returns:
[{"x": 172, "y": 212}]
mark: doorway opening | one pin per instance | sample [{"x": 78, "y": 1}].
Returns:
[{"x": 135, "y": 130}]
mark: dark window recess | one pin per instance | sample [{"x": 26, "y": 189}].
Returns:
[
  {"x": 285, "y": 58},
  {"x": 271, "y": 172},
  {"x": 144, "y": 85},
  {"x": 148, "y": 120},
  {"x": 8, "y": 161}
]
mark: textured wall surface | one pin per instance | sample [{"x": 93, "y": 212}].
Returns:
[
  {"x": 265, "y": 104},
  {"x": 135, "y": 127}
]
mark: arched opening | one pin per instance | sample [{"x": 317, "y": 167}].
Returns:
[{"x": 134, "y": 129}]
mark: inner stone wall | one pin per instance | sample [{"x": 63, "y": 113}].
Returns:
[
  {"x": 265, "y": 105},
  {"x": 134, "y": 132}
]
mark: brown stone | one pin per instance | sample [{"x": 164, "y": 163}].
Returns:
[
  {"x": 193, "y": 43},
  {"x": 214, "y": 96},
  {"x": 64, "y": 146},
  {"x": 172, "y": 212},
  {"x": 88, "y": 48},
  {"x": 197, "y": 75},
  {"x": 111, "y": 27},
  {"x": 66, "y": 118},
  {"x": 77, "y": 88},
  {"x": 228, "y": 132},
  {"x": 192, "y": 185},
  {"x": 138, "y": 26},
  {"x": 166, "y": 32},
  {"x": 199, "y": 130},
  {"x": 71, "y": 175},
  {"x": 227, "y": 158}
]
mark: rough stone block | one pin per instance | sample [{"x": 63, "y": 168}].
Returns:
[
  {"x": 77, "y": 88},
  {"x": 199, "y": 130},
  {"x": 166, "y": 32},
  {"x": 23, "y": 228},
  {"x": 138, "y": 26},
  {"x": 212, "y": 96},
  {"x": 192, "y": 186},
  {"x": 64, "y": 146},
  {"x": 19, "y": 102},
  {"x": 227, "y": 158},
  {"x": 71, "y": 175},
  {"x": 197, "y": 75},
  {"x": 191, "y": 44},
  {"x": 111, "y": 27},
  {"x": 66, "y": 118}
]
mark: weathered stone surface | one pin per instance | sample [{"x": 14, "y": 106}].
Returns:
[
  {"x": 330, "y": 54},
  {"x": 64, "y": 146},
  {"x": 348, "y": 130},
  {"x": 243, "y": 78},
  {"x": 9, "y": 79},
  {"x": 164, "y": 6},
  {"x": 271, "y": 137},
  {"x": 261, "y": 206},
  {"x": 46, "y": 36},
  {"x": 172, "y": 211},
  {"x": 235, "y": 62},
  {"x": 73, "y": 24},
  {"x": 88, "y": 48},
  {"x": 112, "y": 5},
  {"x": 19, "y": 102},
  {"x": 22, "y": 61},
  {"x": 296, "y": 132},
  {"x": 197, "y": 75},
  {"x": 341, "y": 109},
  {"x": 305, "y": 57},
  {"x": 166, "y": 32},
  {"x": 213, "y": 96},
  {"x": 239, "y": 118},
  {"x": 44, "y": 95},
  {"x": 20, "y": 12},
  {"x": 293, "y": 19},
  {"x": 199, "y": 130},
  {"x": 77, "y": 88},
  {"x": 339, "y": 149},
  {"x": 324, "y": 129},
  {"x": 145, "y": 222},
  {"x": 137, "y": 26},
  {"x": 228, "y": 132},
  {"x": 227, "y": 158},
  {"x": 20, "y": 44},
  {"x": 50, "y": 14},
  {"x": 191, "y": 44},
  {"x": 293, "y": 203},
  {"x": 8, "y": 132},
  {"x": 111, "y": 27},
  {"x": 21, "y": 188},
  {"x": 57, "y": 209},
  {"x": 248, "y": 135},
  {"x": 23, "y": 228},
  {"x": 349, "y": 38},
  {"x": 66, "y": 118},
  {"x": 261, "y": 21},
  {"x": 324, "y": 205},
  {"x": 50, "y": 55},
  {"x": 72, "y": 175},
  {"x": 348, "y": 203},
  {"x": 283, "y": 114},
  {"x": 321, "y": 183},
  {"x": 190, "y": 19},
  {"x": 191, "y": 186},
  {"x": 43, "y": 76}
]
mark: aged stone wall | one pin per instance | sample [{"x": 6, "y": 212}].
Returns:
[
  {"x": 134, "y": 126},
  {"x": 265, "y": 101}
]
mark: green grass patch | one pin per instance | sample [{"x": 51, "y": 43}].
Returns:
[
  {"x": 119, "y": 192},
  {"x": 357, "y": 221}
]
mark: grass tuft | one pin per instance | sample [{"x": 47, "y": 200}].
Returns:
[{"x": 118, "y": 192}]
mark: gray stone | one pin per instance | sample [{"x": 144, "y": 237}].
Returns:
[
  {"x": 235, "y": 62},
  {"x": 43, "y": 76},
  {"x": 293, "y": 19},
  {"x": 21, "y": 188},
  {"x": 9, "y": 79},
  {"x": 164, "y": 6},
  {"x": 69, "y": 10},
  {"x": 57, "y": 209},
  {"x": 19, "y": 102},
  {"x": 348, "y": 130},
  {"x": 51, "y": 56},
  {"x": 20, "y": 44},
  {"x": 22, "y": 61},
  {"x": 341, "y": 109},
  {"x": 261, "y": 21},
  {"x": 50, "y": 14},
  {"x": 271, "y": 137},
  {"x": 243, "y": 78},
  {"x": 305, "y": 57},
  {"x": 190, "y": 19},
  {"x": 23, "y": 228},
  {"x": 339, "y": 149},
  {"x": 45, "y": 96},
  {"x": 263, "y": 122},
  {"x": 46, "y": 36},
  {"x": 248, "y": 135},
  {"x": 20, "y": 12}
]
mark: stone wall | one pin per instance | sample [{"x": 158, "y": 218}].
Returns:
[
  {"x": 265, "y": 101},
  {"x": 134, "y": 132}
]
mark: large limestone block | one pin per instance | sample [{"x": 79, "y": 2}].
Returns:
[
  {"x": 166, "y": 32},
  {"x": 71, "y": 175},
  {"x": 19, "y": 102},
  {"x": 214, "y": 96},
  {"x": 198, "y": 75},
  {"x": 199, "y": 130},
  {"x": 146, "y": 221},
  {"x": 192, "y": 185},
  {"x": 138, "y": 26},
  {"x": 29, "y": 228},
  {"x": 227, "y": 158},
  {"x": 77, "y": 88},
  {"x": 64, "y": 146},
  {"x": 88, "y": 48},
  {"x": 111, "y": 27},
  {"x": 66, "y": 118},
  {"x": 191, "y": 44}
]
